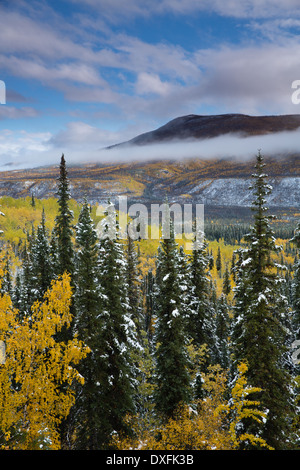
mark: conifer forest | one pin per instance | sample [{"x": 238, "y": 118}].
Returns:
[{"x": 122, "y": 344}]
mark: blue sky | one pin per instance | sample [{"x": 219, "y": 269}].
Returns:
[{"x": 81, "y": 75}]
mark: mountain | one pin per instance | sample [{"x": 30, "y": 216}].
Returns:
[
  {"x": 218, "y": 183},
  {"x": 205, "y": 127}
]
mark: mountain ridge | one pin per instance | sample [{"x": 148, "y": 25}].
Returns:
[{"x": 195, "y": 126}]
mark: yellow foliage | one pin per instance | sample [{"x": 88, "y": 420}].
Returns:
[
  {"x": 205, "y": 424},
  {"x": 241, "y": 407},
  {"x": 32, "y": 402}
]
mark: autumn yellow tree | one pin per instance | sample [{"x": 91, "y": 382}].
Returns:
[
  {"x": 32, "y": 403},
  {"x": 208, "y": 424},
  {"x": 240, "y": 406}
]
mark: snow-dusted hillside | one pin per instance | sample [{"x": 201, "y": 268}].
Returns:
[
  {"x": 218, "y": 183},
  {"x": 235, "y": 192}
]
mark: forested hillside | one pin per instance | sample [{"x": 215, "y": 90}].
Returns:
[
  {"x": 219, "y": 183},
  {"x": 122, "y": 344}
]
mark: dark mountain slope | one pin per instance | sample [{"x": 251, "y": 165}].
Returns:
[{"x": 199, "y": 127}]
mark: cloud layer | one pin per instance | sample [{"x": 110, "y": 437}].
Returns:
[
  {"x": 31, "y": 150},
  {"x": 110, "y": 83},
  {"x": 155, "y": 75}
]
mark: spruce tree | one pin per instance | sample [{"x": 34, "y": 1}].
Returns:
[
  {"x": 63, "y": 223},
  {"x": 232, "y": 269},
  {"x": 186, "y": 289},
  {"x": 258, "y": 336},
  {"x": 201, "y": 313},
  {"x": 41, "y": 260},
  {"x": 148, "y": 289},
  {"x": 88, "y": 304},
  {"x": 140, "y": 351},
  {"x": 226, "y": 282},
  {"x": 172, "y": 361},
  {"x": 219, "y": 261},
  {"x": 295, "y": 295},
  {"x": 211, "y": 260},
  {"x": 63, "y": 230},
  {"x": 32, "y": 203},
  {"x": 222, "y": 332},
  {"x": 117, "y": 338},
  {"x": 295, "y": 327},
  {"x": 201, "y": 322},
  {"x": 133, "y": 284},
  {"x": 28, "y": 292}
]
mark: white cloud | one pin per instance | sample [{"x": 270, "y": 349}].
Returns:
[
  {"x": 23, "y": 149},
  {"x": 151, "y": 83},
  {"x": 29, "y": 69},
  {"x": 141, "y": 57},
  {"x": 11, "y": 112},
  {"x": 253, "y": 76},
  {"x": 83, "y": 135},
  {"x": 21, "y": 34}
]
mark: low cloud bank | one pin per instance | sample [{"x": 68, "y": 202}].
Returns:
[
  {"x": 229, "y": 146},
  {"x": 225, "y": 146}
]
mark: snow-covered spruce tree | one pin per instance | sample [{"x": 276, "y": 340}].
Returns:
[
  {"x": 296, "y": 296},
  {"x": 133, "y": 284},
  {"x": 186, "y": 288},
  {"x": 140, "y": 311},
  {"x": 27, "y": 285},
  {"x": 295, "y": 346},
  {"x": 36, "y": 272},
  {"x": 226, "y": 288},
  {"x": 191, "y": 311},
  {"x": 63, "y": 223},
  {"x": 201, "y": 325},
  {"x": 219, "y": 262},
  {"x": 87, "y": 325},
  {"x": 41, "y": 260},
  {"x": 222, "y": 356},
  {"x": 63, "y": 259},
  {"x": 201, "y": 311},
  {"x": 117, "y": 338},
  {"x": 63, "y": 230},
  {"x": 148, "y": 289},
  {"x": 258, "y": 335},
  {"x": 172, "y": 377}
]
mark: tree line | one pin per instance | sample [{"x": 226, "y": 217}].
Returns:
[{"x": 161, "y": 358}]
